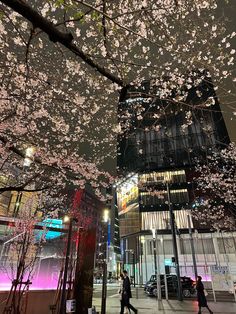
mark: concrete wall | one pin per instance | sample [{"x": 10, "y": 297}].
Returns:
[{"x": 38, "y": 301}]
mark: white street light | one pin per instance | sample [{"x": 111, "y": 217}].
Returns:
[
  {"x": 66, "y": 218},
  {"x": 106, "y": 215}
]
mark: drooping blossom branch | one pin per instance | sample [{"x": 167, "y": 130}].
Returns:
[{"x": 216, "y": 180}]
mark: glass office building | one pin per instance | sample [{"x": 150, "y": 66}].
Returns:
[{"x": 159, "y": 145}]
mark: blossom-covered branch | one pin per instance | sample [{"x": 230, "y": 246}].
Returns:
[
  {"x": 66, "y": 39},
  {"x": 52, "y": 100},
  {"x": 216, "y": 182}
]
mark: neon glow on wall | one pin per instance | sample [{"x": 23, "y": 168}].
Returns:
[
  {"x": 42, "y": 283},
  {"x": 47, "y": 270},
  {"x": 47, "y": 223},
  {"x": 45, "y": 277}
]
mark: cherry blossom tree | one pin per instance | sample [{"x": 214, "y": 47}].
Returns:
[
  {"x": 216, "y": 182},
  {"x": 21, "y": 260},
  {"x": 65, "y": 63}
]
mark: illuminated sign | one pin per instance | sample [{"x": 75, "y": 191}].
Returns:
[
  {"x": 168, "y": 262},
  {"x": 127, "y": 195},
  {"x": 47, "y": 223}
]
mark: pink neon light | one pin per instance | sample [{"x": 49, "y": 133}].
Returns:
[{"x": 41, "y": 283}]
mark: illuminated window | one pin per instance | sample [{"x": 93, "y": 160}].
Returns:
[
  {"x": 177, "y": 176},
  {"x": 160, "y": 220},
  {"x": 156, "y": 197}
]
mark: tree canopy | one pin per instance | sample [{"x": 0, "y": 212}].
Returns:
[{"x": 64, "y": 63}]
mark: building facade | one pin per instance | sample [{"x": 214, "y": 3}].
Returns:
[{"x": 158, "y": 148}]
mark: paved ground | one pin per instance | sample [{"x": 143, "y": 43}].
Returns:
[
  {"x": 152, "y": 306},
  {"x": 147, "y": 305},
  {"x": 140, "y": 294}
]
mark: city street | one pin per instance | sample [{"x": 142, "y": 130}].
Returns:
[{"x": 148, "y": 305}]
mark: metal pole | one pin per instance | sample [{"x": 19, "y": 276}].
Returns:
[
  {"x": 77, "y": 272},
  {"x": 145, "y": 257},
  {"x": 155, "y": 256},
  {"x": 158, "y": 273},
  {"x": 63, "y": 293},
  {"x": 173, "y": 232},
  {"x": 133, "y": 266},
  {"x": 104, "y": 279},
  {"x": 141, "y": 260},
  {"x": 157, "y": 268},
  {"x": 104, "y": 288},
  {"x": 192, "y": 247},
  {"x": 165, "y": 278},
  {"x": 212, "y": 285}
]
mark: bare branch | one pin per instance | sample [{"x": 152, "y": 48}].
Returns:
[{"x": 22, "y": 188}]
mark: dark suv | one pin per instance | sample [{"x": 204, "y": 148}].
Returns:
[
  {"x": 152, "y": 279},
  {"x": 187, "y": 283}
]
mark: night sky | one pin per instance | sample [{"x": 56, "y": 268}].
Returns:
[{"x": 230, "y": 119}]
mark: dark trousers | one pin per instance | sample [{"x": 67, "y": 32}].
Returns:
[
  {"x": 200, "y": 309},
  {"x": 122, "y": 307},
  {"x": 124, "y": 303}
]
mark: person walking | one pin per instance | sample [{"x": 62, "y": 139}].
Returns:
[
  {"x": 126, "y": 295},
  {"x": 120, "y": 291},
  {"x": 202, "y": 301}
]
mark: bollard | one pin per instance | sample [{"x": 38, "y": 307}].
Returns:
[{"x": 136, "y": 293}]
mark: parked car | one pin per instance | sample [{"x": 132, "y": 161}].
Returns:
[
  {"x": 152, "y": 279},
  {"x": 188, "y": 287},
  {"x": 97, "y": 280}
]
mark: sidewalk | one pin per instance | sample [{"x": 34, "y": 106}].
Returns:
[{"x": 152, "y": 306}]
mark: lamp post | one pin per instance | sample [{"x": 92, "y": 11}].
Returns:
[
  {"x": 175, "y": 249},
  {"x": 192, "y": 246},
  {"x": 143, "y": 252},
  {"x": 145, "y": 258},
  {"x": 157, "y": 267},
  {"x": 69, "y": 220},
  {"x": 133, "y": 260},
  {"x": 106, "y": 219},
  {"x": 77, "y": 271}
]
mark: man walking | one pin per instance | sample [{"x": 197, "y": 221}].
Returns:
[{"x": 126, "y": 294}]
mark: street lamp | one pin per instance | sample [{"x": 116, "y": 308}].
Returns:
[
  {"x": 175, "y": 249},
  {"x": 66, "y": 219},
  {"x": 157, "y": 268},
  {"x": 69, "y": 220},
  {"x": 107, "y": 220},
  {"x": 77, "y": 270},
  {"x": 106, "y": 215},
  {"x": 145, "y": 255},
  {"x": 192, "y": 247}
]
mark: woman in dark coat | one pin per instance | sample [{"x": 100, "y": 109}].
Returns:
[{"x": 202, "y": 301}]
